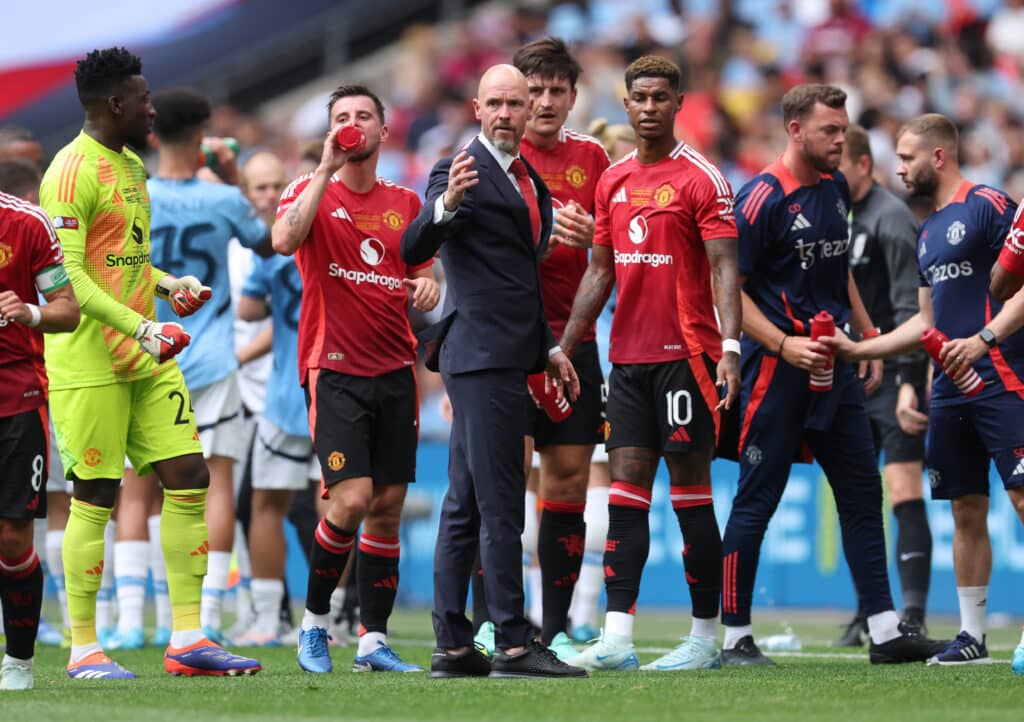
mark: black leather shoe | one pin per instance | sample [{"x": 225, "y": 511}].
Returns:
[
  {"x": 908, "y": 647},
  {"x": 471, "y": 663},
  {"x": 535, "y": 661},
  {"x": 745, "y": 653},
  {"x": 855, "y": 634}
]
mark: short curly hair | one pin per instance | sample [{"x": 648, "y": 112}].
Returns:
[
  {"x": 99, "y": 72},
  {"x": 653, "y": 66}
]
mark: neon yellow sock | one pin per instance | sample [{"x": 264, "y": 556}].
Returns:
[
  {"x": 185, "y": 543},
  {"x": 83, "y": 567}
]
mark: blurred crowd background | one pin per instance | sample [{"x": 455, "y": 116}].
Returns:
[{"x": 895, "y": 58}]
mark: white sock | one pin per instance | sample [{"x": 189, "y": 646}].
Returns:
[
  {"x": 531, "y": 527},
  {"x": 55, "y": 560},
  {"x": 585, "y": 595},
  {"x": 735, "y": 634},
  {"x": 266, "y": 598},
  {"x": 216, "y": 581},
  {"x": 704, "y": 628},
  {"x": 158, "y": 568},
  {"x": 310, "y": 620},
  {"x": 81, "y": 652},
  {"x": 884, "y": 626},
  {"x": 369, "y": 641},
  {"x": 105, "y": 595},
  {"x": 131, "y": 566},
  {"x": 337, "y": 602},
  {"x": 8, "y": 659},
  {"x": 244, "y": 611},
  {"x": 973, "y": 601},
  {"x": 620, "y": 625},
  {"x": 186, "y": 638},
  {"x": 536, "y": 593}
]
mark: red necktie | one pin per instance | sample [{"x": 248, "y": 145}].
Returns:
[{"x": 522, "y": 175}]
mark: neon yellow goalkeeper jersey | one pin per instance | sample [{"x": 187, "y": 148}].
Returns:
[{"x": 99, "y": 205}]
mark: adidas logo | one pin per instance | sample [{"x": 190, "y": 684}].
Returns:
[
  {"x": 1019, "y": 469},
  {"x": 387, "y": 583},
  {"x": 202, "y": 549},
  {"x": 620, "y": 196},
  {"x": 90, "y": 674},
  {"x": 341, "y": 213},
  {"x": 920, "y": 254},
  {"x": 800, "y": 223},
  {"x": 680, "y": 435},
  {"x": 96, "y": 571}
]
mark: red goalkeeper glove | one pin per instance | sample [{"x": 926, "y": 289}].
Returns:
[
  {"x": 186, "y": 295},
  {"x": 162, "y": 341}
]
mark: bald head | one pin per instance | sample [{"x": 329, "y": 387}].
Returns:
[
  {"x": 263, "y": 180},
  {"x": 501, "y": 106}
]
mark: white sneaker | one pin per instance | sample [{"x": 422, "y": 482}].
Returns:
[
  {"x": 16, "y": 675},
  {"x": 693, "y": 653},
  {"x": 255, "y": 637},
  {"x": 608, "y": 653}
]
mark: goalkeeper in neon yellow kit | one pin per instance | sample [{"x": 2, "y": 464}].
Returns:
[{"x": 114, "y": 387}]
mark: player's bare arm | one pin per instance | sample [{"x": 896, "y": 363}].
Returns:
[
  {"x": 725, "y": 281},
  {"x": 799, "y": 351},
  {"x": 595, "y": 287},
  {"x": 259, "y": 346},
  {"x": 288, "y": 235},
  {"x": 960, "y": 352},
  {"x": 860, "y": 322},
  {"x": 905, "y": 337},
  {"x": 908, "y": 413},
  {"x": 423, "y": 289},
  {"x": 60, "y": 314},
  {"x": 1003, "y": 283},
  {"x": 252, "y": 309},
  {"x": 461, "y": 177}
]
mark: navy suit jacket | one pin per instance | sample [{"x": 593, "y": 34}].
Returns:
[{"x": 493, "y": 316}]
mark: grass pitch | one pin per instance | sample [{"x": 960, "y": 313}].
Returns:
[{"x": 819, "y": 682}]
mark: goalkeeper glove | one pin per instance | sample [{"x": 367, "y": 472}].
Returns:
[
  {"x": 186, "y": 294},
  {"x": 162, "y": 341}
]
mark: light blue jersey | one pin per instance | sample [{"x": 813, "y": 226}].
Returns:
[
  {"x": 193, "y": 220},
  {"x": 278, "y": 277}
]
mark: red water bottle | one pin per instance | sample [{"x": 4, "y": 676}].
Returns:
[
  {"x": 556, "y": 409},
  {"x": 821, "y": 378},
  {"x": 350, "y": 138},
  {"x": 968, "y": 380}
]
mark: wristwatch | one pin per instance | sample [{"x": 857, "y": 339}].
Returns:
[{"x": 988, "y": 337}]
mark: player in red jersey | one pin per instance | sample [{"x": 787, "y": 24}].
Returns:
[
  {"x": 31, "y": 262},
  {"x": 356, "y": 359},
  {"x": 666, "y": 236}
]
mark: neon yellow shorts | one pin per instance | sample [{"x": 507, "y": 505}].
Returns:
[{"x": 148, "y": 420}]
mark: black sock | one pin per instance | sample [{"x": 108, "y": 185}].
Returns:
[
  {"x": 21, "y": 593},
  {"x": 629, "y": 541},
  {"x": 480, "y": 613},
  {"x": 702, "y": 547},
  {"x": 560, "y": 553},
  {"x": 327, "y": 557},
  {"x": 378, "y": 581},
  {"x": 913, "y": 552}
]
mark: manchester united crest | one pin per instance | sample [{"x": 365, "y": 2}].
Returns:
[
  {"x": 394, "y": 220},
  {"x": 664, "y": 194},
  {"x": 336, "y": 461},
  {"x": 576, "y": 176},
  {"x": 6, "y": 254}
]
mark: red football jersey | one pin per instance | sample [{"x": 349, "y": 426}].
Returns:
[
  {"x": 570, "y": 170},
  {"x": 657, "y": 218},
  {"x": 28, "y": 247},
  {"x": 354, "y": 318}
]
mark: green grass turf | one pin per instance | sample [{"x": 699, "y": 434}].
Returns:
[{"x": 838, "y": 687}]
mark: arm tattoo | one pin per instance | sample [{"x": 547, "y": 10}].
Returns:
[
  {"x": 593, "y": 292},
  {"x": 292, "y": 216},
  {"x": 722, "y": 255}
]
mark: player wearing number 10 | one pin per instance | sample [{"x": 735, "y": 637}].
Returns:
[
  {"x": 113, "y": 388},
  {"x": 193, "y": 222}
]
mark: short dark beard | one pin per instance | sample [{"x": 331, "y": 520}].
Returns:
[{"x": 925, "y": 185}]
